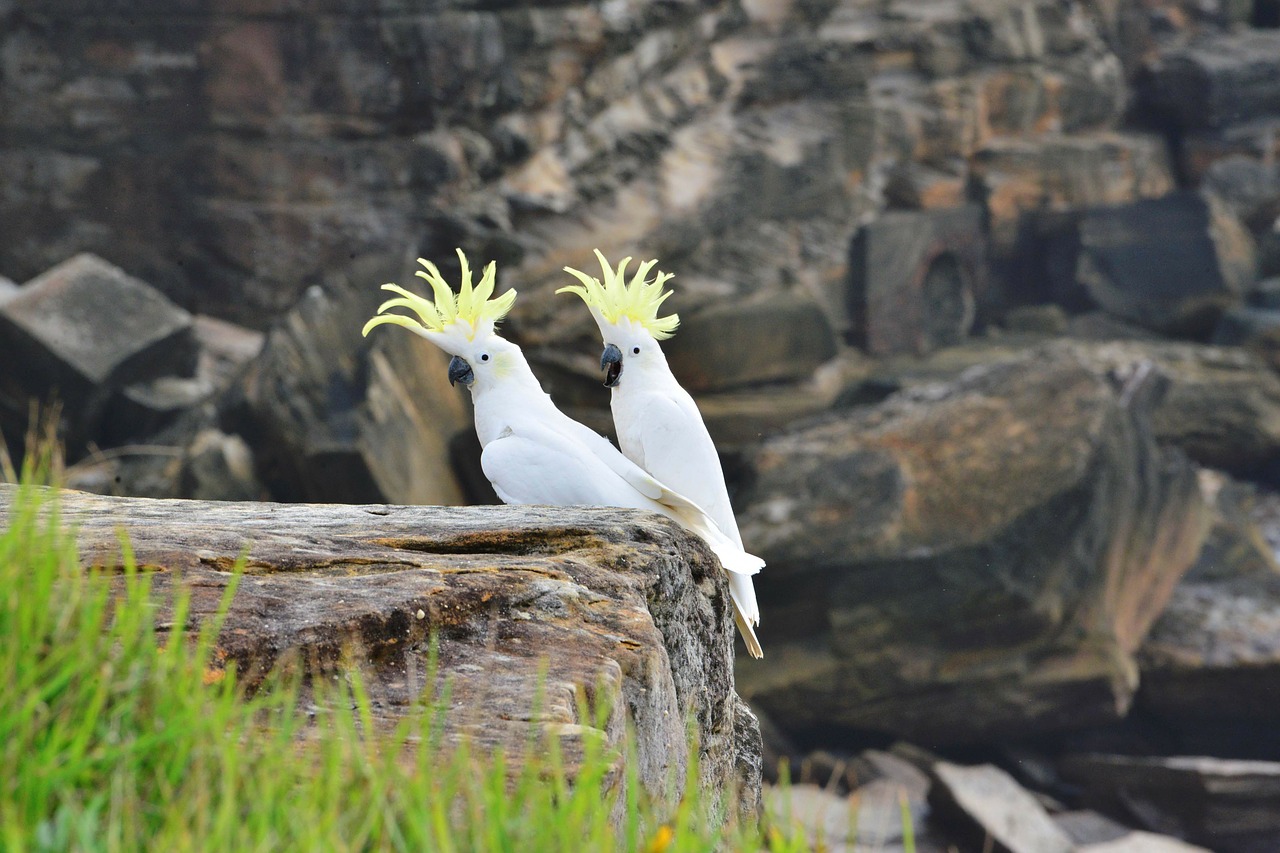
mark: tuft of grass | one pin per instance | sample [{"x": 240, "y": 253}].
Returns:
[{"x": 119, "y": 734}]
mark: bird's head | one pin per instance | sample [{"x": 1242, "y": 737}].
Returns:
[
  {"x": 627, "y": 314},
  {"x": 462, "y": 324}
]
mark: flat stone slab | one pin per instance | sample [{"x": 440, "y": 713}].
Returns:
[
  {"x": 969, "y": 560},
  {"x": 995, "y": 806},
  {"x": 533, "y": 608},
  {"x": 87, "y": 323},
  {"x": 1227, "y": 79},
  {"x": 1226, "y": 805}
]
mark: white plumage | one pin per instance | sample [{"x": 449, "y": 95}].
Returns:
[
  {"x": 658, "y": 423},
  {"x": 532, "y": 452}
]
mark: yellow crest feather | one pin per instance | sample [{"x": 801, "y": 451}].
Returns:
[
  {"x": 471, "y": 305},
  {"x": 616, "y": 300}
]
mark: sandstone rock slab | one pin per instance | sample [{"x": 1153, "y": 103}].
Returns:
[
  {"x": 995, "y": 806},
  {"x": 1221, "y": 407},
  {"x": 1172, "y": 264},
  {"x": 1221, "y": 80},
  {"x": 532, "y": 608},
  {"x": 334, "y": 421},
  {"x": 915, "y": 280},
  {"x": 1228, "y": 806},
  {"x": 971, "y": 559},
  {"x": 1142, "y": 842},
  {"x": 1019, "y": 177},
  {"x": 1210, "y": 666},
  {"x": 789, "y": 338},
  {"x": 85, "y": 329}
]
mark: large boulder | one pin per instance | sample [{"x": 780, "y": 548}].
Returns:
[
  {"x": 333, "y": 420},
  {"x": 972, "y": 559},
  {"x": 1226, "y": 79},
  {"x": 532, "y": 608},
  {"x": 916, "y": 278},
  {"x": 1211, "y": 664},
  {"x": 1172, "y": 264},
  {"x": 1229, "y": 806},
  {"x": 986, "y": 803},
  {"x": 1222, "y": 405},
  {"x": 83, "y": 333}
]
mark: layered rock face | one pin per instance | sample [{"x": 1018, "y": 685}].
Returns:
[
  {"x": 971, "y": 558},
  {"x": 532, "y": 609},
  {"x": 879, "y": 213},
  {"x": 232, "y": 152}
]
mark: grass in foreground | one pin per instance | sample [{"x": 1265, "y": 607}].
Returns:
[{"x": 113, "y": 737}]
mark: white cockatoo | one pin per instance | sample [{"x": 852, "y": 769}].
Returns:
[
  {"x": 659, "y": 426},
  {"x": 532, "y": 452}
]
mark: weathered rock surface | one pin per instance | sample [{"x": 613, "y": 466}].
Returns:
[
  {"x": 868, "y": 819},
  {"x": 1221, "y": 80},
  {"x": 1023, "y": 178},
  {"x": 333, "y": 421},
  {"x": 789, "y": 338},
  {"x": 1142, "y": 842},
  {"x": 1211, "y": 665},
  {"x": 532, "y": 607},
  {"x": 1222, "y": 405},
  {"x": 995, "y": 806},
  {"x": 915, "y": 280},
  {"x": 968, "y": 560},
  {"x": 1255, "y": 329},
  {"x": 83, "y": 331},
  {"x": 1228, "y": 806},
  {"x": 1173, "y": 264}
]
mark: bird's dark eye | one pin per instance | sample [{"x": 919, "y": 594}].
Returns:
[
  {"x": 484, "y": 356},
  {"x": 635, "y": 350}
]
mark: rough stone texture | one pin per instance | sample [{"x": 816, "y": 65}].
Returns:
[
  {"x": 916, "y": 279},
  {"x": 218, "y": 467},
  {"x": 1222, "y": 80},
  {"x": 995, "y": 806},
  {"x": 1142, "y": 842},
  {"x": 225, "y": 348},
  {"x": 1255, "y": 329},
  {"x": 1211, "y": 663},
  {"x": 85, "y": 329},
  {"x": 975, "y": 559},
  {"x": 1228, "y": 806},
  {"x": 334, "y": 422},
  {"x": 1085, "y": 826},
  {"x": 1222, "y": 405},
  {"x": 1172, "y": 264},
  {"x": 1021, "y": 177},
  {"x": 1249, "y": 186},
  {"x": 868, "y": 819},
  {"x": 234, "y": 153},
  {"x": 1222, "y": 408},
  {"x": 624, "y": 606},
  {"x": 789, "y": 339}
]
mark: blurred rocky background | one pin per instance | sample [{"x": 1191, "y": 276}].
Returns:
[{"x": 981, "y": 301}]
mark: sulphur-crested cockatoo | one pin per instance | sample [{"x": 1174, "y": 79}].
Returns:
[
  {"x": 659, "y": 426},
  {"x": 532, "y": 452}
]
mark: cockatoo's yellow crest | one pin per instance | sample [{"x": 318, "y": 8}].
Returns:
[
  {"x": 468, "y": 313},
  {"x": 615, "y": 300}
]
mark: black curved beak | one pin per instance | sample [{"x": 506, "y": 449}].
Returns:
[
  {"x": 460, "y": 371},
  {"x": 611, "y": 364}
]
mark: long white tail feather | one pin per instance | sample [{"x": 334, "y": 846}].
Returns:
[
  {"x": 739, "y": 565},
  {"x": 743, "y": 592},
  {"x": 748, "y": 633}
]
